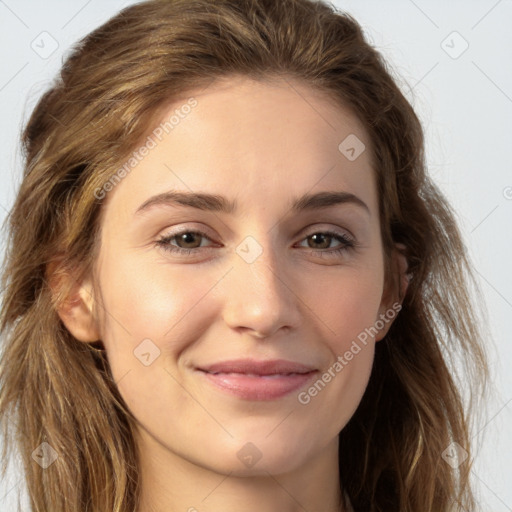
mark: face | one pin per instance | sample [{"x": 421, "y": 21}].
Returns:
[{"x": 245, "y": 243}]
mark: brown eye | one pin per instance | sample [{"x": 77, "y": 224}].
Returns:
[
  {"x": 188, "y": 240},
  {"x": 322, "y": 241},
  {"x": 185, "y": 242},
  {"x": 319, "y": 241}
]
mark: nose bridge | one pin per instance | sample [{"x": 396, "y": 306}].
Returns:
[{"x": 258, "y": 297}]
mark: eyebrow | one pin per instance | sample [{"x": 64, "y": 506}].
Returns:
[{"x": 217, "y": 203}]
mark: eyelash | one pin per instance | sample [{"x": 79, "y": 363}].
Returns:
[{"x": 348, "y": 244}]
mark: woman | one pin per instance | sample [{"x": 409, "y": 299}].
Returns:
[{"x": 229, "y": 278}]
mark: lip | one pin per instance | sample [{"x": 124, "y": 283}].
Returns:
[{"x": 258, "y": 380}]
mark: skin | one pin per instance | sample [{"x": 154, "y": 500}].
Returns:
[{"x": 261, "y": 144}]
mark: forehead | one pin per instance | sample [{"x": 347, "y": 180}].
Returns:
[{"x": 246, "y": 138}]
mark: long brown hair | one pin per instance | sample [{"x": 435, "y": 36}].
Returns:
[{"x": 57, "y": 390}]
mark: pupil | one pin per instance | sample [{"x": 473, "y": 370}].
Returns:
[
  {"x": 188, "y": 240},
  {"x": 323, "y": 240}
]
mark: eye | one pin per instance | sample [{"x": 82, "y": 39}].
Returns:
[
  {"x": 323, "y": 240},
  {"x": 184, "y": 242}
]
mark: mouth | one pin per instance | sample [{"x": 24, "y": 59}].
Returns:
[{"x": 258, "y": 380}]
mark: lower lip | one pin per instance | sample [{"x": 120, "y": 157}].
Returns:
[{"x": 253, "y": 387}]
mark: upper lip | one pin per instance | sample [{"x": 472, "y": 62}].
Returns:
[{"x": 254, "y": 367}]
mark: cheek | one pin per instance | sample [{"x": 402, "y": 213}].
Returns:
[
  {"x": 348, "y": 307},
  {"x": 153, "y": 298},
  {"x": 347, "y": 303},
  {"x": 150, "y": 316},
  {"x": 349, "y": 311},
  {"x": 155, "y": 302}
]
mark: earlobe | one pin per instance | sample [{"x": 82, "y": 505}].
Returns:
[
  {"x": 395, "y": 291},
  {"x": 76, "y": 307}
]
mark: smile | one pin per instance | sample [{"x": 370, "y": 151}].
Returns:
[{"x": 258, "y": 380}]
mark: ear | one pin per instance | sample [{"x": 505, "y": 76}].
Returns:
[
  {"x": 394, "y": 291},
  {"x": 74, "y": 302}
]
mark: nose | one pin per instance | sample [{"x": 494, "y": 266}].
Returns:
[{"x": 259, "y": 297}]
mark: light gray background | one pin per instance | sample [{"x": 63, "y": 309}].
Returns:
[{"x": 464, "y": 99}]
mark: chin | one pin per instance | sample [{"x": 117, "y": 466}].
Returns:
[{"x": 262, "y": 456}]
